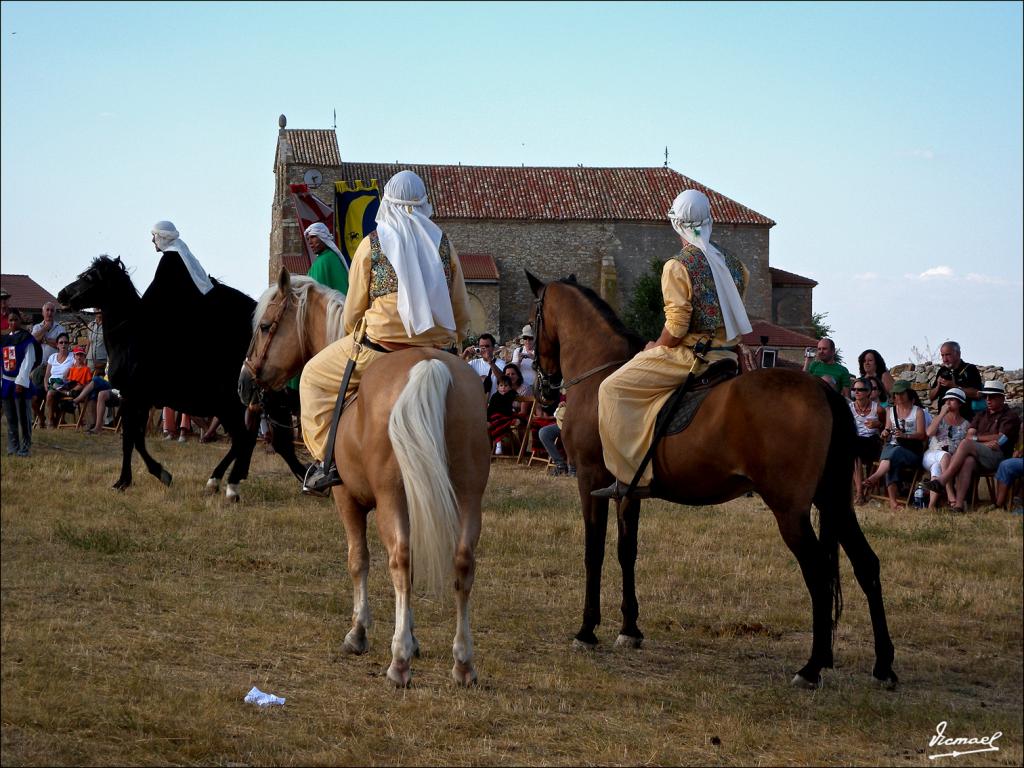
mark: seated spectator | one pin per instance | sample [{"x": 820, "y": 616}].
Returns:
[
  {"x": 878, "y": 392},
  {"x": 868, "y": 418},
  {"x": 946, "y": 432},
  {"x": 872, "y": 364},
  {"x": 990, "y": 439},
  {"x": 524, "y": 354},
  {"x": 79, "y": 375},
  {"x": 57, "y": 366},
  {"x": 549, "y": 436},
  {"x": 522, "y": 389},
  {"x": 173, "y": 428},
  {"x": 501, "y": 412},
  {"x": 88, "y": 397},
  {"x": 954, "y": 372},
  {"x": 903, "y": 439},
  {"x": 1009, "y": 471},
  {"x": 825, "y": 365},
  {"x": 487, "y": 366}
]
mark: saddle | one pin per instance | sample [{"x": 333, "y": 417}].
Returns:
[{"x": 700, "y": 386}]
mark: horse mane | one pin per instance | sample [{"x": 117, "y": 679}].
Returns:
[
  {"x": 111, "y": 269},
  {"x": 301, "y": 285},
  {"x": 636, "y": 343}
]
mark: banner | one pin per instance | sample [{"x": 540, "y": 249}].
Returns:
[
  {"x": 355, "y": 205},
  {"x": 310, "y": 209}
]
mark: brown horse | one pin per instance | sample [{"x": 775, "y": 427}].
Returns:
[
  {"x": 412, "y": 445},
  {"x": 797, "y": 452}
]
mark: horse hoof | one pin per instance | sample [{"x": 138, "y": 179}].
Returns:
[
  {"x": 799, "y": 681},
  {"x": 400, "y": 674},
  {"x": 888, "y": 683},
  {"x": 355, "y": 642},
  {"x": 625, "y": 641},
  {"x": 232, "y": 492},
  {"x": 463, "y": 674},
  {"x": 212, "y": 486},
  {"x": 165, "y": 477},
  {"x": 579, "y": 645}
]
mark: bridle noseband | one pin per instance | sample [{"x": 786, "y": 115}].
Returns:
[{"x": 255, "y": 365}]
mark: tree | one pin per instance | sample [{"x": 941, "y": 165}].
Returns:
[{"x": 645, "y": 312}]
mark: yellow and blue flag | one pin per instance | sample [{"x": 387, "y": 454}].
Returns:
[{"x": 355, "y": 213}]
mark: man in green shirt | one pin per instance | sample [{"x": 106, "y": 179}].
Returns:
[
  {"x": 825, "y": 365},
  {"x": 330, "y": 267}
]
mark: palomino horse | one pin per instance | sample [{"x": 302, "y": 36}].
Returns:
[
  {"x": 194, "y": 372},
  {"x": 413, "y": 444},
  {"x": 794, "y": 452}
]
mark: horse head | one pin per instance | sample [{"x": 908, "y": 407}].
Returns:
[
  {"x": 546, "y": 365},
  {"x": 98, "y": 285},
  {"x": 275, "y": 352}
]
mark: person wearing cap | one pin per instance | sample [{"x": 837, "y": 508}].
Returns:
[
  {"x": 945, "y": 434},
  {"x": 702, "y": 289},
  {"x": 954, "y": 372},
  {"x": 903, "y": 441},
  {"x": 524, "y": 354},
  {"x": 330, "y": 267},
  {"x": 20, "y": 351},
  {"x": 990, "y": 439},
  {"x": 406, "y": 289}
]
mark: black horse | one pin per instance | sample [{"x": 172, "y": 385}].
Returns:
[{"x": 188, "y": 362}]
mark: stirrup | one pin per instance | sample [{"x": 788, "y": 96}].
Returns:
[
  {"x": 617, "y": 490},
  {"x": 319, "y": 481}
]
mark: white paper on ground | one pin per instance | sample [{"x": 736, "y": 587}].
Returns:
[{"x": 259, "y": 698}]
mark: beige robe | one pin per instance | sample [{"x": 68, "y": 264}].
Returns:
[
  {"x": 629, "y": 400},
  {"x": 321, "y": 378}
]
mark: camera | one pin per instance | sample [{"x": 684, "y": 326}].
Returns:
[{"x": 810, "y": 351}]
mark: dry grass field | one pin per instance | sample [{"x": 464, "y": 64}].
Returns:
[{"x": 134, "y": 624}]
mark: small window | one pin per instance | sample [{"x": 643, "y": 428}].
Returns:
[{"x": 768, "y": 358}]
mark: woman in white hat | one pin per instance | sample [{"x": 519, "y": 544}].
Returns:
[
  {"x": 524, "y": 354},
  {"x": 945, "y": 434}
]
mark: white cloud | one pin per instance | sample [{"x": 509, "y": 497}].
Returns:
[
  {"x": 942, "y": 272},
  {"x": 866, "y": 276}
]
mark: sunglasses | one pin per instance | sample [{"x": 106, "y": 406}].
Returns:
[{"x": 860, "y": 389}]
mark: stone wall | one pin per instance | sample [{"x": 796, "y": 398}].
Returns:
[{"x": 921, "y": 376}]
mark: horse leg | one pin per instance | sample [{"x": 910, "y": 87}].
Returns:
[
  {"x": 393, "y": 526},
  {"x": 595, "y": 525},
  {"x": 463, "y": 671},
  {"x": 129, "y": 424},
  {"x": 799, "y": 536},
  {"x": 630, "y": 635},
  {"x": 241, "y": 439},
  {"x": 866, "y": 569},
  {"x": 154, "y": 466},
  {"x": 275, "y": 405},
  {"x": 353, "y": 517}
]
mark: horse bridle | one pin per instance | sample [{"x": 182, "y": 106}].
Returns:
[
  {"x": 255, "y": 365},
  {"x": 545, "y": 382}
]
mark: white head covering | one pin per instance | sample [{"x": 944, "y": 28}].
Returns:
[
  {"x": 690, "y": 215},
  {"x": 410, "y": 241},
  {"x": 167, "y": 240},
  {"x": 321, "y": 231}
]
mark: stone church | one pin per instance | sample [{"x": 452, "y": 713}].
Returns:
[{"x": 605, "y": 225}]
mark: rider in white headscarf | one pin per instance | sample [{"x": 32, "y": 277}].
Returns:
[
  {"x": 165, "y": 238},
  {"x": 701, "y": 288},
  {"x": 330, "y": 267},
  {"x": 405, "y": 290}
]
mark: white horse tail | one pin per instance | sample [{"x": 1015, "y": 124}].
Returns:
[{"x": 416, "y": 429}]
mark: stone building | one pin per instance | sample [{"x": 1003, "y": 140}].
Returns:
[{"x": 605, "y": 225}]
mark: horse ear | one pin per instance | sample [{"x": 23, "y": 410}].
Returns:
[
  {"x": 536, "y": 285},
  {"x": 571, "y": 278},
  {"x": 284, "y": 281}
]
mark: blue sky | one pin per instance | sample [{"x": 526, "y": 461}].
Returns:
[{"x": 884, "y": 139}]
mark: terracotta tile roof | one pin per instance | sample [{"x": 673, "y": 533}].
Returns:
[
  {"x": 777, "y": 336},
  {"x": 478, "y": 266},
  {"x": 782, "y": 277},
  {"x": 310, "y": 147},
  {"x": 25, "y": 292},
  {"x": 558, "y": 194}
]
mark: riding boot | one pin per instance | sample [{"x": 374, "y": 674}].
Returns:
[
  {"x": 617, "y": 490},
  {"x": 319, "y": 479}
]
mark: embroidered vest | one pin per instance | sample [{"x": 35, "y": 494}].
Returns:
[
  {"x": 383, "y": 279},
  {"x": 707, "y": 312}
]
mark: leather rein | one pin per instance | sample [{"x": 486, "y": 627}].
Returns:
[{"x": 255, "y": 365}]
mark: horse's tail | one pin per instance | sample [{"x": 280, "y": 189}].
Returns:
[
  {"x": 833, "y": 496},
  {"x": 417, "y": 432}
]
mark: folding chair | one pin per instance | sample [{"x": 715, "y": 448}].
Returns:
[{"x": 75, "y": 410}]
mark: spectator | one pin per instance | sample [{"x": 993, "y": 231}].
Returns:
[
  {"x": 954, "y": 372},
  {"x": 946, "y": 432},
  {"x": 79, "y": 375},
  {"x": 878, "y": 392},
  {"x": 524, "y": 354},
  {"x": 502, "y": 413},
  {"x": 19, "y": 358},
  {"x": 171, "y": 424},
  {"x": 990, "y": 439},
  {"x": 5, "y": 323},
  {"x": 1009, "y": 471},
  {"x": 903, "y": 439},
  {"x": 872, "y": 364},
  {"x": 868, "y": 417},
  {"x": 57, "y": 366},
  {"x": 487, "y": 366},
  {"x": 46, "y": 333},
  {"x": 96, "y": 347},
  {"x": 549, "y": 436},
  {"x": 523, "y": 391},
  {"x": 88, "y": 398},
  {"x": 826, "y": 365}
]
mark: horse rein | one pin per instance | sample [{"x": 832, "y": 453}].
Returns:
[{"x": 255, "y": 365}]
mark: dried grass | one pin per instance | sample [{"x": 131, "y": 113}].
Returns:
[{"x": 133, "y": 625}]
